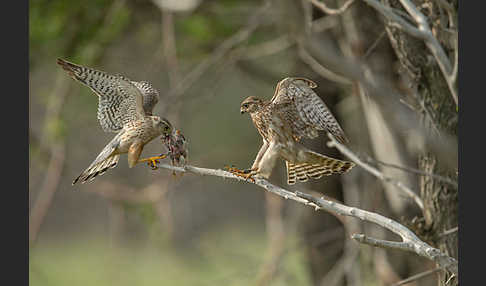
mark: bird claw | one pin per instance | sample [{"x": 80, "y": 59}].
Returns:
[
  {"x": 247, "y": 174},
  {"x": 154, "y": 161},
  {"x": 153, "y": 164}
]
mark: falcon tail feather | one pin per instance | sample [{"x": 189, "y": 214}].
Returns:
[
  {"x": 107, "y": 159},
  {"x": 72, "y": 69},
  {"x": 318, "y": 166},
  {"x": 97, "y": 169}
]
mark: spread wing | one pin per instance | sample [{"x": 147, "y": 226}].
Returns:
[
  {"x": 150, "y": 95},
  {"x": 120, "y": 101},
  {"x": 311, "y": 110}
]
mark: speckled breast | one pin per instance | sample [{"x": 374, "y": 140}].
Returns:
[{"x": 139, "y": 130}]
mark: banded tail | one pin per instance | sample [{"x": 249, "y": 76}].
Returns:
[
  {"x": 107, "y": 159},
  {"x": 97, "y": 169},
  {"x": 318, "y": 165}
]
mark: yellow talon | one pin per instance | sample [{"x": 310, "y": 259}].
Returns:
[
  {"x": 247, "y": 174},
  {"x": 153, "y": 161}
]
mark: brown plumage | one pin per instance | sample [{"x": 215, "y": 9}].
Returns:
[
  {"x": 124, "y": 107},
  {"x": 295, "y": 111}
]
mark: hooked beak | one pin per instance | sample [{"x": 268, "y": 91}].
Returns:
[{"x": 242, "y": 111}]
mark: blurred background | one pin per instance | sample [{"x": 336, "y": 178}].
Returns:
[{"x": 148, "y": 227}]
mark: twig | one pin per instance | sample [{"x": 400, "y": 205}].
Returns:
[
  {"x": 375, "y": 172},
  {"x": 416, "y": 277},
  {"x": 331, "y": 11},
  {"x": 373, "y": 46},
  {"x": 320, "y": 69},
  {"x": 413, "y": 170},
  {"x": 268, "y": 48},
  {"x": 449, "y": 231},
  {"x": 410, "y": 241}
]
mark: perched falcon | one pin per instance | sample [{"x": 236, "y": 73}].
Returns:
[
  {"x": 124, "y": 107},
  {"x": 295, "y": 111}
]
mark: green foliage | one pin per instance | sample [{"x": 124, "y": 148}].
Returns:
[
  {"x": 65, "y": 28},
  {"x": 200, "y": 32},
  {"x": 198, "y": 27}
]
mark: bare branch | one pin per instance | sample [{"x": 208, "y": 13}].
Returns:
[
  {"x": 410, "y": 241},
  {"x": 268, "y": 48},
  {"x": 320, "y": 69},
  {"x": 361, "y": 238},
  {"x": 375, "y": 43},
  {"x": 331, "y": 11},
  {"x": 413, "y": 170},
  {"x": 449, "y": 231},
  {"x": 375, "y": 172}
]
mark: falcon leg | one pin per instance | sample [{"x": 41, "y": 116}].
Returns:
[
  {"x": 260, "y": 154},
  {"x": 249, "y": 173},
  {"x": 153, "y": 161}
]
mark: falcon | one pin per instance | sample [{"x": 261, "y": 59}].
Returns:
[
  {"x": 124, "y": 107},
  {"x": 294, "y": 112}
]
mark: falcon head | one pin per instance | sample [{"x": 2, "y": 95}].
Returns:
[
  {"x": 251, "y": 104},
  {"x": 162, "y": 124}
]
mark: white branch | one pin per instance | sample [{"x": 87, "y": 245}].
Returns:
[{"x": 410, "y": 241}]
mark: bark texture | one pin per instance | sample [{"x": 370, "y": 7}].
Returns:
[{"x": 440, "y": 115}]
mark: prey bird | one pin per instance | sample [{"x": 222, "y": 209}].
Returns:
[
  {"x": 295, "y": 111},
  {"x": 124, "y": 107},
  {"x": 176, "y": 145}
]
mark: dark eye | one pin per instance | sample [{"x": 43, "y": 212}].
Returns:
[
  {"x": 166, "y": 128},
  {"x": 245, "y": 105}
]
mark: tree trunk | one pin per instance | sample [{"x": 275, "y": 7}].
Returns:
[{"x": 440, "y": 114}]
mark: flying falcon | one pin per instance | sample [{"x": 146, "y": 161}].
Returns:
[{"x": 124, "y": 107}]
